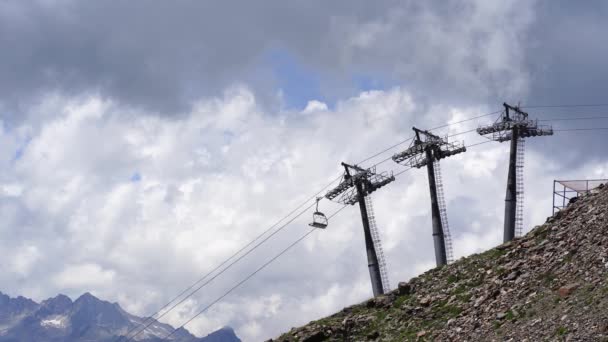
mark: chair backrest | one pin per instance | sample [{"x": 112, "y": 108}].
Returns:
[{"x": 319, "y": 220}]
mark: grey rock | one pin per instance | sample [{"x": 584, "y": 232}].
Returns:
[
  {"x": 522, "y": 290},
  {"x": 88, "y": 318}
]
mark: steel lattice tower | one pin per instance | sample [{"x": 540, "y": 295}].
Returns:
[
  {"x": 426, "y": 150},
  {"x": 514, "y": 125},
  {"x": 356, "y": 187}
]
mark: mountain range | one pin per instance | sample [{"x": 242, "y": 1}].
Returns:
[{"x": 88, "y": 318}]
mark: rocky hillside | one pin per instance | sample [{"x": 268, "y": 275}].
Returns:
[
  {"x": 549, "y": 285},
  {"x": 88, "y": 318}
]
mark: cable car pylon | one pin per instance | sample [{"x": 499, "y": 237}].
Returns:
[
  {"x": 514, "y": 125},
  {"x": 357, "y": 184},
  {"x": 426, "y": 150}
]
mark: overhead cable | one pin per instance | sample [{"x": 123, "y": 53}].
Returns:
[
  {"x": 151, "y": 319},
  {"x": 249, "y": 276}
]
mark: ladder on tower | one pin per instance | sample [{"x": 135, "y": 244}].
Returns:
[
  {"x": 377, "y": 244},
  {"x": 447, "y": 237},
  {"x": 519, "y": 177}
]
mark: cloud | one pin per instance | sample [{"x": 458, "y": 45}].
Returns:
[
  {"x": 473, "y": 48},
  {"x": 204, "y": 193},
  {"x": 314, "y": 106},
  {"x": 165, "y": 57},
  {"x": 22, "y": 262},
  {"x": 82, "y": 276}
]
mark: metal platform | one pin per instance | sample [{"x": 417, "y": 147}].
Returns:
[{"x": 565, "y": 191}]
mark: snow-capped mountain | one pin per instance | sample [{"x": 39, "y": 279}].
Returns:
[{"x": 88, "y": 318}]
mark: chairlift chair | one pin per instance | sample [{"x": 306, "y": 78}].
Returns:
[{"x": 319, "y": 220}]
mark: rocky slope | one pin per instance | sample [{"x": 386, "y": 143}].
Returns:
[
  {"x": 88, "y": 318},
  {"x": 550, "y": 285}
]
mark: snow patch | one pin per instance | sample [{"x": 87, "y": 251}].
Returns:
[{"x": 58, "y": 322}]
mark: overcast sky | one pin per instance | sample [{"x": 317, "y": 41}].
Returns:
[{"x": 142, "y": 143}]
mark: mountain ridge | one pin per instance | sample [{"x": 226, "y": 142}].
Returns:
[
  {"x": 549, "y": 285},
  {"x": 88, "y": 318}
]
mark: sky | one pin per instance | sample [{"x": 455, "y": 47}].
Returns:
[{"x": 141, "y": 144}]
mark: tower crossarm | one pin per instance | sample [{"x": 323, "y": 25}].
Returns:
[
  {"x": 412, "y": 151},
  {"x": 416, "y": 156},
  {"x": 371, "y": 181},
  {"x": 496, "y": 127},
  {"x": 506, "y": 125},
  {"x": 378, "y": 180},
  {"x": 450, "y": 149},
  {"x": 536, "y": 131},
  {"x": 341, "y": 188},
  {"x": 502, "y": 131},
  {"x": 513, "y": 118}
]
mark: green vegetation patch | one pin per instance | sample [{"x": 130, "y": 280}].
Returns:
[
  {"x": 493, "y": 253},
  {"x": 547, "y": 278},
  {"x": 452, "y": 278},
  {"x": 561, "y": 331},
  {"x": 401, "y": 300}
]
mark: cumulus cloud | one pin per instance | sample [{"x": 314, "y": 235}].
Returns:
[
  {"x": 82, "y": 276},
  {"x": 22, "y": 262},
  {"x": 140, "y": 241}
]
